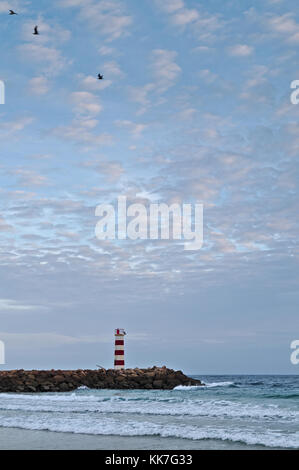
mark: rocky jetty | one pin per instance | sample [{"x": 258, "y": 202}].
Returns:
[{"x": 35, "y": 381}]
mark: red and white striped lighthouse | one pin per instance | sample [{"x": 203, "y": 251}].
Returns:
[{"x": 119, "y": 352}]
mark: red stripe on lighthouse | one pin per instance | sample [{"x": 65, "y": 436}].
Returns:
[
  {"x": 119, "y": 342},
  {"x": 118, "y": 362}
]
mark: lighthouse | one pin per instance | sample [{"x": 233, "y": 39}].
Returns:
[{"x": 119, "y": 350}]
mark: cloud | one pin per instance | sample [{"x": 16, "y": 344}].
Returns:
[
  {"x": 170, "y": 6},
  {"x": 41, "y": 156},
  {"x": 112, "y": 170},
  {"x": 165, "y": 71},
  {"x": 240, "y": 50},
  {"x": 185, "y": 16},
  {"x": 107, "y": 50},
  {"x": 85, "y": 103},
  {"x": 108, "y": 18},
  {"x": 29, "y": 177},
  {"x": 86, "y": 106},
  {"x": 53, "y": 34},
  {"x": 5, "y": 6},
  {"x": 48, "y": 57},
  {"x": 135, "y": 129},
  {"x": 208, "y": 76},
  {"x": 44, "y": 340},
  {"x": 204, "y": 49},
  {"x": 39, "y": 86},
  {"x": 79, "y": 132},
  {"x": 15, "y": 305},
  {"x": 141, "y": 94},
  {"x": 112, "y": 69},
  {"x": 203, "y": 24},
  {"x": 42, "y": 49},
  {"x": 5, "y": 227},
  {"x": 286, "y": 26},
  {"x": 15, "y": 5},
  {"x": 19, "y": 124},
  {"x": 164, "y": 68},
  {"x": 92, "y": 83},
  {"x": 187, "y": 114}
]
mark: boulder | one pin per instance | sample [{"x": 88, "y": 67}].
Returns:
[
  {"x": 157, "y": 383},
  {"x": 59, "y": 378}
]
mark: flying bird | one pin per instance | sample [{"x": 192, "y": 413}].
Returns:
[
  {"x": 11, "y": 12},
  {"x": 100, "y": 77},
  {"x": 35, "y": 30}
]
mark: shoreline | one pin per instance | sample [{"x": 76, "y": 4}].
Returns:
[{"x": 25, "y": 439}]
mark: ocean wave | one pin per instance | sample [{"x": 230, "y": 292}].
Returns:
[
  {"x": 213, "y": 408},
  {"x": 266, "y": 438},
  {"x": 219, "y": 384},
  {"x": 187, "y": 388},
  {"x": 284, "y": 396},
  {"x": 249, "y": 383}
]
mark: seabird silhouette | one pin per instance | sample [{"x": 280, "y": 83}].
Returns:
[
  {"x": 100, "y": 77},
  {"x": 11, "y": 12},
  {"x": 35, "y": 30}
]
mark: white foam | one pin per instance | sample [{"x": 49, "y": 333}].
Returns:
[
  {"x": 186, "y": 388},
  {"x": 218, "y": 384},
  {"x": 79, "y": 425}
]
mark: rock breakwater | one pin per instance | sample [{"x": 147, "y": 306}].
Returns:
[{"x": 36, "y": 381}]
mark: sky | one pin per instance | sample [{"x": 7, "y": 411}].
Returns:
[{"x": 194, "y": 107}]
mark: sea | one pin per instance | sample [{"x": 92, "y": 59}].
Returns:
[{"x": 251, "y": 410}]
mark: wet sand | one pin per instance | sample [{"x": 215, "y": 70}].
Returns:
[{"x": 20, "y": 439}]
